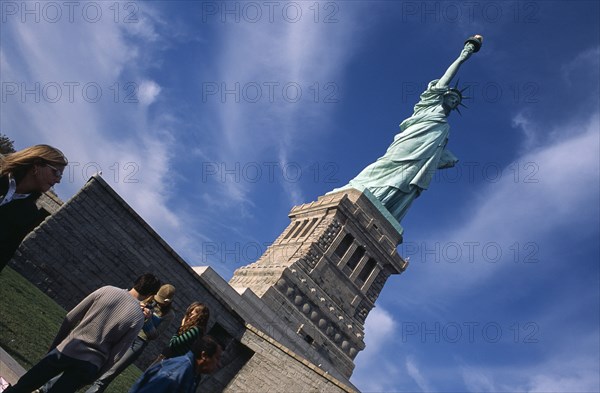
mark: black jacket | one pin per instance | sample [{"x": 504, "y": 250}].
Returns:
[{"x": 17, "y": 219}]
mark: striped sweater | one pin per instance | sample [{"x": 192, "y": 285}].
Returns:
[
  {"x": 180, "y": 344},
  {"x": 101, "y": 327}
]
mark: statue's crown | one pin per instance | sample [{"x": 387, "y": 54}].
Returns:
[{"x": 459, "y": 93}]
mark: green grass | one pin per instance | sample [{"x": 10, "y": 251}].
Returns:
[{"x": 29, "y": 319}]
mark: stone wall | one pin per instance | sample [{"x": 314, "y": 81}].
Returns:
[
  {"x": 282, "y": 368},
  {"x": 96, "y": 239}
]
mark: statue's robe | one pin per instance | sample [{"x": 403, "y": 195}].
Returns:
[{"x": 407, "y": 167}]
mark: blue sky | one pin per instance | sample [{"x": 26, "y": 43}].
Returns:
[{"x": 213, "y": 119}]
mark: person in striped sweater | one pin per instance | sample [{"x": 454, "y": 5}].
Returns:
[
  {"x": 91, "y": 338},
  {"x": 162, "y": 315}
]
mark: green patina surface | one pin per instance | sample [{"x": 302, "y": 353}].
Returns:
[{"x": 406, "y": 169}]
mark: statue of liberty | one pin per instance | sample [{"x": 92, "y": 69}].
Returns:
[{"x": 419, "y": 149}]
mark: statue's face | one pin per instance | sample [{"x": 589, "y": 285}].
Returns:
[{"x": 451, "y": 100}]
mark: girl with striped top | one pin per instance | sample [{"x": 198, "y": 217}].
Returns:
[{"x": 193, "y": 326}]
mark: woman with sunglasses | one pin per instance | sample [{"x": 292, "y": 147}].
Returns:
[{"x": 24, "y": 176}]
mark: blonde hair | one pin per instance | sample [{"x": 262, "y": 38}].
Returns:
[{"x": 20, "y": 162}]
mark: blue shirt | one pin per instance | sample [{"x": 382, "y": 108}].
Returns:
[{"x": 174, "y": 375}]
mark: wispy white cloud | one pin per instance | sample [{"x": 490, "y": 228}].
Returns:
[
  {"x": 148, "y": 91},
  {"x": 547, "y": 197},
  {"x": 574, "y": 370},
  {"x": 572, "y": 367},
  {"x": 373, "y": 370},
  {"x": 286, "y": 65},
  {"x": 579, "y": 381},
  {"x": 477, "y": 380},
  {"x": 585, "y": 62},
  {"x": 415, "y": 373},
  {"x": 84, "y": 75},
  {"x": 530, "y": 133},
  {"x": 378, "y": 328}
]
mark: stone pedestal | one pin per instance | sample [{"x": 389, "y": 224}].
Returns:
[{"x": 324, "y": 273}]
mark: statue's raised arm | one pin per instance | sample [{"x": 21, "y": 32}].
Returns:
[
  {"x": 472, "y": 45},
  {"x": 406, "y": 169}
]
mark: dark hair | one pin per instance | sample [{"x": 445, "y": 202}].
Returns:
[
  {"x": 146, "y": 285},
  {"x": 205, "y": 344}
]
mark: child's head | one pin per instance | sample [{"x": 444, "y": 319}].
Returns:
[{"x": 197, "y": 314}]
